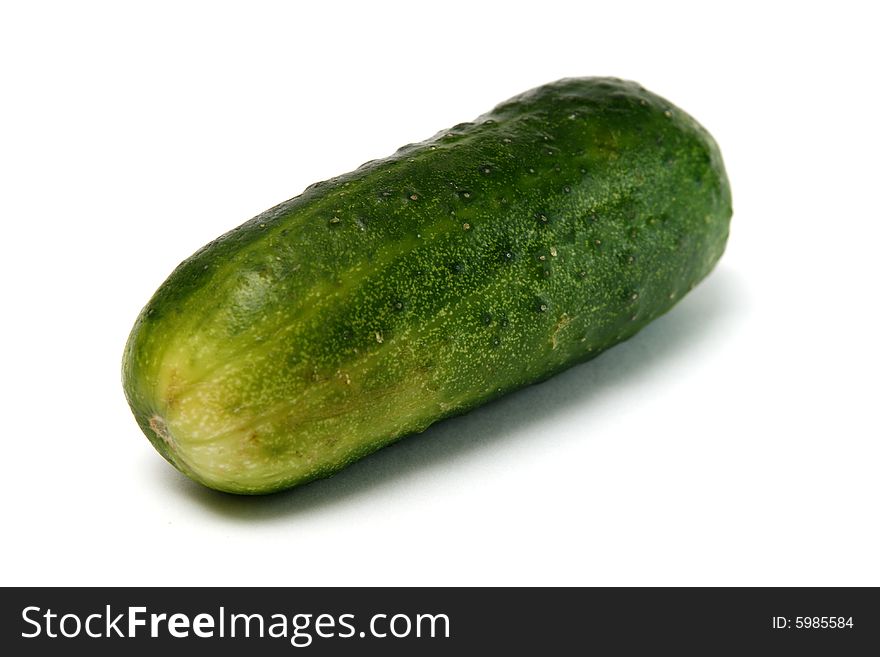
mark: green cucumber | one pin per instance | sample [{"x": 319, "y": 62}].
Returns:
[{"x": 417, "y": 287}]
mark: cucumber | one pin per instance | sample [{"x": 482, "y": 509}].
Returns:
[{"x": 422, "y": 285}]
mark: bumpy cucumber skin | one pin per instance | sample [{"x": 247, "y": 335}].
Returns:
[{"x": 420, "y": 286}]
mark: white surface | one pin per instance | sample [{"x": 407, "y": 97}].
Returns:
[{"x": 734, "y": 441}]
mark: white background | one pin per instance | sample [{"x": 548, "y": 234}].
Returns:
[{"x": 734, "y": 441}]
